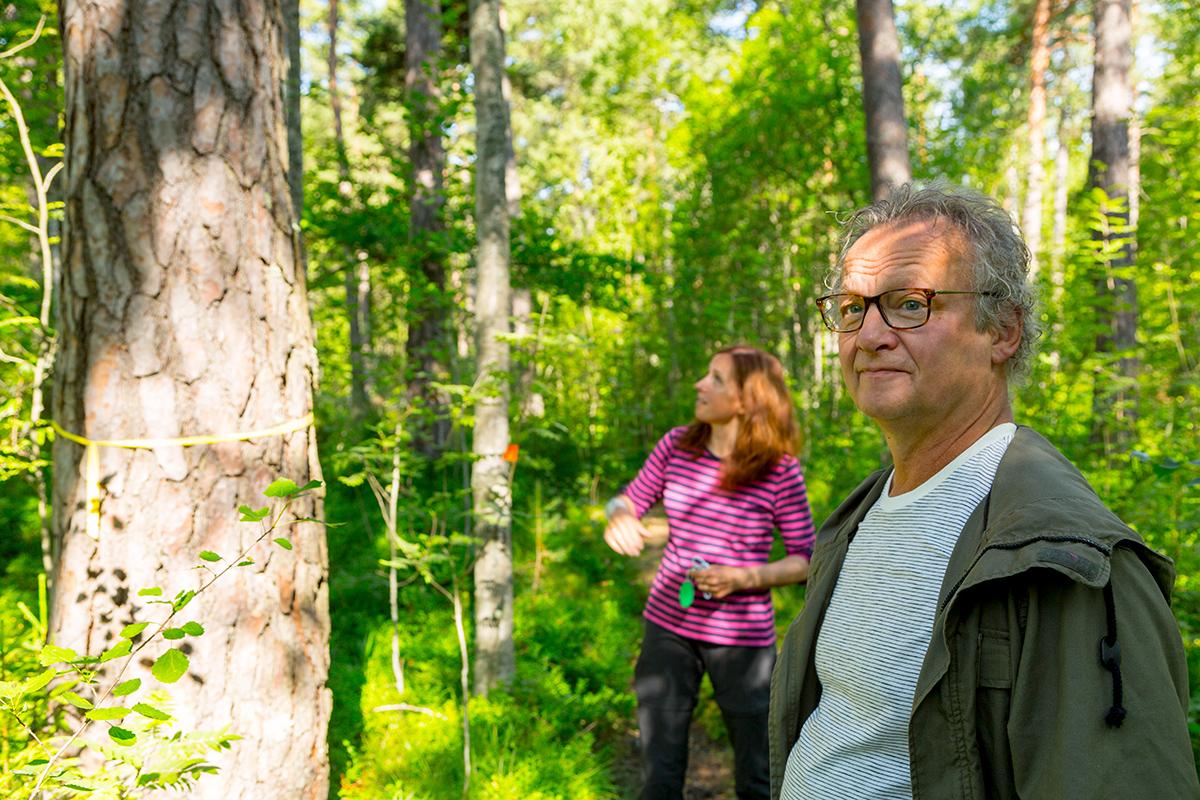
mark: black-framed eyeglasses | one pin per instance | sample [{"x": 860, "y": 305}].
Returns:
[{"x": 901, "y": 309}]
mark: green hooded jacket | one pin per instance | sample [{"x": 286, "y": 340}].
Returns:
[{"x": 1013, "y": 700}]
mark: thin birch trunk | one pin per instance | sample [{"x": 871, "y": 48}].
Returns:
[{"x": 490, "y": 480}]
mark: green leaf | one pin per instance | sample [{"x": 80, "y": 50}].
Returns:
[
  {"x": 209, "y": 555},
  {"x": 121, "y": 648},
  {"x": 130, "y": 631},
  {"x": 246, "y": 563},
  {"x": 284, "y": 543},
  {"x": 126, "y": 687},
  {"x": 284, "y": 487},
  {"x": 53, "y": 654},
  {"x": 122, "y": 736},
  {"x": 153, "y": 591},
  {"x": 170, "y": 666},
  {"x": 37, "y": 683},
  {"x": 253, "y": 514},
  {"x": 182, "y": 599},
  {"x": 77, "y": 701},
  {"x": 308, "y": 487},
  {"x": 102, "y": 714},
  {"x": 173, "y": 633},
  {"x": 193, "y": 628},
  {"x": 151, "y": 712}
]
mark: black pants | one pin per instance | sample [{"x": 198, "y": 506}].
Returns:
[{"x": 667, "y": 682}]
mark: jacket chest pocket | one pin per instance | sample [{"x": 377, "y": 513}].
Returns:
[{"x": 995, "y": 660}]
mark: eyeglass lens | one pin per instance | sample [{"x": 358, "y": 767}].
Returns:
[{"x": 901, "y": 308}]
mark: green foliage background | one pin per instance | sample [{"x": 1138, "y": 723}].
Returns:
[{"x": 682, "y": 166}]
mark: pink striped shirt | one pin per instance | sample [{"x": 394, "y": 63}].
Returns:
[{"x": 730, "y": 528}]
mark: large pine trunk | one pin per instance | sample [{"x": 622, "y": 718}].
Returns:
[
  {"x": 183, "y": 312},
  {"x": 1112, "y": 104},
  {"x": 494, "y": 657},
  {"x": 883, "y": 100}
]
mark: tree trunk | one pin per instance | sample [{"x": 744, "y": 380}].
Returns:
[
  {"x": 182, "y": 311},
  {"x": 1039, "y": 62},
  {"x": 429, "y": 310},
  {"x": 1058, "y": 239},
  {"x": 1112, "y": 102},
  {"x": 356, "y": 272},
  {"x": 295, "y": 144},
  {"x": 1058, "y": 235},
  {"x": 1135, "y": 142},
  {"x": 490, "y": 478},
  {"x": 532, "y": 404},
  {"x": 883, "y": 100}
]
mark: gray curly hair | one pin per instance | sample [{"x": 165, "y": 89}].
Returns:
[{"x": 1000, "y": 263}]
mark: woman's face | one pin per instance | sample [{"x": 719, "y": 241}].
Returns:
[{"x": 717, "y": 397}]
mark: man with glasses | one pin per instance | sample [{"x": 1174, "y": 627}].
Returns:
[{"x": 960, "y": 632}]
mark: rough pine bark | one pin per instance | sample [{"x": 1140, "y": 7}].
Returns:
[
  {"x": 494, "y": 658},
  {"x": 1035, "y": 123},
  {"x": 291, "y": 93},
  {"x": 1112, "y": 105},
  {"x": 428, "y": 346},
  {"x": 182, "y": 311},
  {"x": 883, "y": 100}
]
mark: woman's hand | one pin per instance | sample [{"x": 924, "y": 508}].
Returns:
[
  {"x": 721, "y": 581},
  {"x": 625, "y": 533}
]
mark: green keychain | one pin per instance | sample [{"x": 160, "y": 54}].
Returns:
[
  {"x": 687, "y": 593},
  {"x": 687, "y": 589}
]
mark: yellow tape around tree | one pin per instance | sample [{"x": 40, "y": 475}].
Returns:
[{"x": 92, "y": 454}]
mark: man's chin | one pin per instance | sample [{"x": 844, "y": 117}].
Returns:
[{"x": 880, "y": 407}]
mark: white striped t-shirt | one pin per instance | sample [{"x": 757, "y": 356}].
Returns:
[{"x": 877, "y": 629}]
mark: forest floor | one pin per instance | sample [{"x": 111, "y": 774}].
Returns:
[{"x": 710, "y": 763}]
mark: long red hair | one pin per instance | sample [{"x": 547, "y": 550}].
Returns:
[{"x": 767, "y": 426}]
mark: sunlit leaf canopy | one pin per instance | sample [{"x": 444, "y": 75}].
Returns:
[{"x": 683, "y": 166}]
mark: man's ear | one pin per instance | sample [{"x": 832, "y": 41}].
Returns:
[{"x": 1006, "y": 340}]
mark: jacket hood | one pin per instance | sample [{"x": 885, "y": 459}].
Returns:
[{"x": 1036, "y": 488}]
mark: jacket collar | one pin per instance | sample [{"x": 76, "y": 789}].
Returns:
[{"x": 1040, "y": 513}]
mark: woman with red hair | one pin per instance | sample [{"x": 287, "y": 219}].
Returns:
[{"x": 728, "y": 481}]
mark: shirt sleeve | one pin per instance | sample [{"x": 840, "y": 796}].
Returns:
[
  {"x": 792, "y": 514},
  {"x": 647, "y": 488}
]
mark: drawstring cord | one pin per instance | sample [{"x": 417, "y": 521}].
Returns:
[{"x": 1110, "y": 659}]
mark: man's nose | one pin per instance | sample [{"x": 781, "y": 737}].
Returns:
[{"x": 875, "y": 333}]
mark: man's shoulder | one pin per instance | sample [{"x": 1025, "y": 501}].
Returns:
[
  {"x": 1037, "y": 486},
  {"x": 855, "y": 504}
]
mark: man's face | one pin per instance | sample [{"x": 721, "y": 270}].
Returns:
[{"x": 944, "y": 373}]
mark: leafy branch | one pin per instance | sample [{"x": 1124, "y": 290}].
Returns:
[{"x": 168, "y": 668}]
